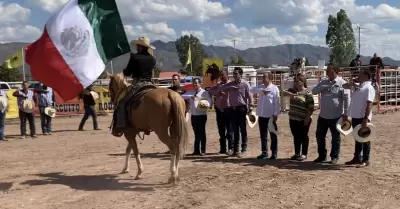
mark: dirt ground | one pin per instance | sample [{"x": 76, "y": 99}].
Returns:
[{"x": 79, "y": 170}]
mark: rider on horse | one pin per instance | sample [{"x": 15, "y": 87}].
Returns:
[{"x": 140, "y": 67}]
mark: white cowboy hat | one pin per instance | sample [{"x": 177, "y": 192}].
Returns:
[
  {"x": 366, "y": 135},
  {"x": 272, "y": 127},
  {"x": 344, "y": 127},
  {"x": 50, "y": 111},
  {"x": 144, "y": 41},
  {"x": 252, "y": 119},
  {"x": 3, "y": 103},
  {"x": 201, "y": 104},
  {"x": 28, "y": 106},
  {"x": 94, "y": 95}
]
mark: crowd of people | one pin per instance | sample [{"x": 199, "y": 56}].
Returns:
[{"x": 339, "y": 100}]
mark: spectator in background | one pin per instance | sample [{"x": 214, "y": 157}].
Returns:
[
  {"x": 223, "y": 120},
  {"x": 23, "y": 113},
  {"x": 300, "y": 111},
  {"x": 268, "y": 108},
  {"x": 3, "y": 112},
  {"x": 239, "y": 105},
  {"x": 199, "y": 116},
  {"x": 89, "y": 101},
  {"x": 176, "y": 86},
  {"x": 46, "y": 99}
]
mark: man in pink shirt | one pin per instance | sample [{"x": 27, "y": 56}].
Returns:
[{"x": 223, "y": 120}]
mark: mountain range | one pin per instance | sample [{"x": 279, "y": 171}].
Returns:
[{"x": 167, "y": 57}]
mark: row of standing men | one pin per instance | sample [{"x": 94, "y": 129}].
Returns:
[{"x": 233, "y": 102}]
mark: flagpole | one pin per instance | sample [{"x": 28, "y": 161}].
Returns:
[
  {"x": 191, "y": 64},
  {"x": 23, "y": 64}
]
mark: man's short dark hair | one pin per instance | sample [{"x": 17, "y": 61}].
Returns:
[
  {"x": 198, "y": 79},
  {"x": 239, "y": 69},
  {"x": 367, "y": 72},
  {"x": 179, "y": 77},
  {"x": 24, "y": 82}
]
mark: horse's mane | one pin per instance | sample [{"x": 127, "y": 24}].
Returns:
[{"x": 119, "y": 79}]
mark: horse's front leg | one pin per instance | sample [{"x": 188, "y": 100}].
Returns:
[{"x": 127, "y": 157}]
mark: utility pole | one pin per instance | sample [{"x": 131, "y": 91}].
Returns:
[
  {"x": 234, "y": 43},
  {"x": 359, "y": 39}
]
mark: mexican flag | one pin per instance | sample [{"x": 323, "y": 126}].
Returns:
[{"x": 76, "y": 44}]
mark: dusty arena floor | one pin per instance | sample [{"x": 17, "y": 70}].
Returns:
[{"x": 79, "y": 170}]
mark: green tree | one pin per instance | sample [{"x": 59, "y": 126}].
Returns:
[
  {"x": 307, "y": 62},
  {"x": 340, "y": 39},
  {"x": 237, "y": 60},
  {"x": 156, "y": 72},
  {"x": 198, "y": 53},
  {"x": 10, "y": 75}
]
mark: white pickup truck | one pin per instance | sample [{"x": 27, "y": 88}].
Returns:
[{"x": 4, "y": 86}]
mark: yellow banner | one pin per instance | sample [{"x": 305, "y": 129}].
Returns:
[
  {"x": 211, "y": 69},
  {"x": 104, "y": 103},
  {"x": 14, "y": 61},
  {"x": 12, "y": 103}
]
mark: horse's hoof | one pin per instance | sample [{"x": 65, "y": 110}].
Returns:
[
  {"x": 124, "y": 171},
  {"x": 173, "y": 180},
  {"x": 138, "y": 177}
]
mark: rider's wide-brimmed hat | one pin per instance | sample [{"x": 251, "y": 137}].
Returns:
[
  {"x": 366, "y": 134},
  {"x": 344, "y": 127},
  {"x": 252, "y": 119},
  {"x": 50, "y": 111},
  {"x": 144, "y": 41}
]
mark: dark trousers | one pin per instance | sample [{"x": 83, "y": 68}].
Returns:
[
  {"x": 238, "y": 118},
  {"x": 263, "y": 126},
  {"x": 89, "y": 111},
  {"x": 364, "y": 148},
  {"x": 23, "y": 117},
  {"x": 300, "y": 136},
  {"x": 224, "y": 129},
  {"x": 199, "y": 129},
  {"x": 45, "y": 121},
  {"x": 322, "y": 129}
]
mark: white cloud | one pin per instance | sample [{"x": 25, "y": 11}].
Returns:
[
  {"x": 197, "y": 33},
  {"x": 305, "y": 28},
  {"x": 13, "y": 13},
  {"x": 49, "y": 5},
  {"x": 25, "y": 33},
  {"x": 156, "y": 31}
]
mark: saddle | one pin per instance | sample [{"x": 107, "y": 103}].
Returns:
[{"x": 134, "y": 97}]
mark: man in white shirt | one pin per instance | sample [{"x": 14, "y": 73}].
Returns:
[
  {"x": 361, "y": 113},
  {"x": 334, "y": 104},
  {"x": 268, "y": 108},
  {"x": 199, "y": 116}
]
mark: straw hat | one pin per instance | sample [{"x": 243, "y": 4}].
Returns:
[
  {"x": 272, "y": 127},
  {"x": 252, "y": 119},
  {"x": 3, "y": 103},
  {"x": 144, "y": 41},
  {"x": 50, "y": 111},
  {"x": 94, "y": 95},
  {"x": 28, "y": 106},
  {"x": 344, "y": 127},
  {"x": 364, "y": 135},
  {"x": 201, "y": 104}
]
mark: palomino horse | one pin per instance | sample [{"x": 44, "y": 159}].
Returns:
[{"x": 160, "y": 110}]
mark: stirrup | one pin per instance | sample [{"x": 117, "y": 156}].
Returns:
[{"x": 117, "y": 132}]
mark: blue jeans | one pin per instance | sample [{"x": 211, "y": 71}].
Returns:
[
  {"x": 89, "y": 111},
  {"x": 322, "y": 129},
  {"x": 364, "y": 148},
  {"x": 263, "y": 126},
  {"x": 2, "y": 120},
  {"x": 45, "y": 121}
]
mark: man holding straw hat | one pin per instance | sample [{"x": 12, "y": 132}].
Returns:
[{"x": 26, "y": 105}]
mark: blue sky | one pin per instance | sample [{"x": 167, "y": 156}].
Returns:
[{"x": 254, "y": 23}]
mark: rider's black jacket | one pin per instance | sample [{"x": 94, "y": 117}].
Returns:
[{"x": 140, "y": 66}]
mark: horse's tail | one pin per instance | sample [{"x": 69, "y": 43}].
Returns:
[{"x": 179, "y": 127}]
